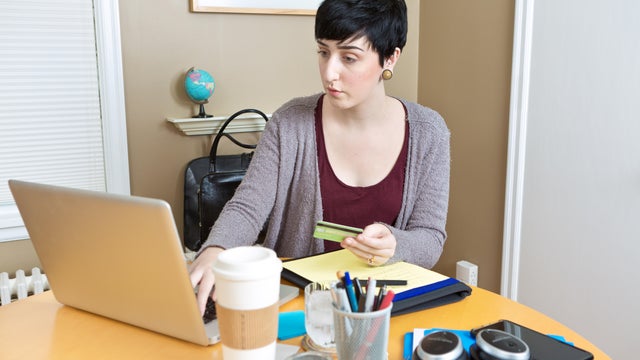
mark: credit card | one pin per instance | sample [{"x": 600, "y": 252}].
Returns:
[{"x": 334, "y": 232}]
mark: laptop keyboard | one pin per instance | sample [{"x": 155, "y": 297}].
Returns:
[{"x": 209, "y": 311}]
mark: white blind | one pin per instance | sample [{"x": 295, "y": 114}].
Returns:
[{"x": 50, "y": 120}]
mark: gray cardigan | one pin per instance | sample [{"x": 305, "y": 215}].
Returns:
[{"x": 282, "y": 182}]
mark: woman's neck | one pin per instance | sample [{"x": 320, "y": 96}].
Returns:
[{"x": 371, "y": 112}]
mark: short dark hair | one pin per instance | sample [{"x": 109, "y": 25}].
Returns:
[{"x": 383, "y": 22}]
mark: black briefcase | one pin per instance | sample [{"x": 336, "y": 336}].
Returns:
[{"x": 209, "y": 182}]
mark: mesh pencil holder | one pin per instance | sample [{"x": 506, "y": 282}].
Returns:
[{"x": 362, "y": 336}]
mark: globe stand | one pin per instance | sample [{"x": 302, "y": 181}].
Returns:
[{"x": 202, "y": 114}]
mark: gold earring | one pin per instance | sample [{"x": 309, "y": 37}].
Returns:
[{"x": 387, "y": 74}]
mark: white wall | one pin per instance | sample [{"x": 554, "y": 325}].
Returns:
[{"x": 580, "y": 234}]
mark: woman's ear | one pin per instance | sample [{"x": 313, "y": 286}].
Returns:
[{"x": 391, "y": 61}]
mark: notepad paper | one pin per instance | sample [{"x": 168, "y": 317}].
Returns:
[{"x": 323, "y": 268}]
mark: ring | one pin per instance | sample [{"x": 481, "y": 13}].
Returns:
[{"x": 371, "y": 259}]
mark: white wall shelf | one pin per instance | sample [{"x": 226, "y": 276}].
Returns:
[{"x": 209, "y": 126}]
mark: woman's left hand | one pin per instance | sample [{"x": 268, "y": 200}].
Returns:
[{"x": 375, "y": 245}]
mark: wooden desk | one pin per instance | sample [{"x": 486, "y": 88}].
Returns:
[{"x": 40, "y": 328}]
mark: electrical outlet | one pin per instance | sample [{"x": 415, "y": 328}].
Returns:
[{"x": 467, "y": 272}]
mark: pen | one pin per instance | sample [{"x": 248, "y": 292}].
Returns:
[
  {"x": 350, "y": 292},
  {"x": 381, "y": 293},
  {"x": 343, "y": 301},
  {"x": 361, "y": 302},
  {"x": 357, "y": 286},
  {"x": 334, "y": 295},
  {"x": 371, "y": 294},
  {"x": 386, "y": 301},
  {"x": 382, "y": 282},
  {"x": 374, "y": 326},
  {"x": 343, "y": 305}
]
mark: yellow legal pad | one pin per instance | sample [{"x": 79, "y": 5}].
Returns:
[
  {"x": 425, "y": 288},
  {"x": 323, "y": 268}
]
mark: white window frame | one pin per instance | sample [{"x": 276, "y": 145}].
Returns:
[{"x": 114, "y": 131}]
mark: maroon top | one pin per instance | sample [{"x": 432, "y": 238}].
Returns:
[{"x": 358, "y": 206}]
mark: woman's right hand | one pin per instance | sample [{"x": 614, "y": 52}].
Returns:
[{"x": 201, "y": 275}]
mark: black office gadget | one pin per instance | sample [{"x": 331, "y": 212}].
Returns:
[
  {"x": 541, "y": 346},
  {"x": 492, "y": 344},
  {"x": 440, "y": 345}
]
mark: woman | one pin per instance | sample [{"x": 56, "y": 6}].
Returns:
[{"x": 352, "y": 155}]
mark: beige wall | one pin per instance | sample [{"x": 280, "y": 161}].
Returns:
[
  {"x": 465, "y": 70},
  {"x": 461, "y": 68}
]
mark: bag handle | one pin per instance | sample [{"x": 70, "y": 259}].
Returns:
[{"x": 214, "y": 147}]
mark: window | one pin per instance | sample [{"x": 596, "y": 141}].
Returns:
[{"x": 62, "y": 118}]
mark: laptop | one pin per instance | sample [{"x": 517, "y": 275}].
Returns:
[{"x": 117, "y": 256}]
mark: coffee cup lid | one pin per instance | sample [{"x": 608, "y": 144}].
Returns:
[{"x": 247, "y": 263}]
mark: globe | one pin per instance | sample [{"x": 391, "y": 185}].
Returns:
[{"x": 199, "y": 86}]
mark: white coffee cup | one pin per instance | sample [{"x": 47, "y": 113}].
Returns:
[{"x": 247, "y": 292}]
